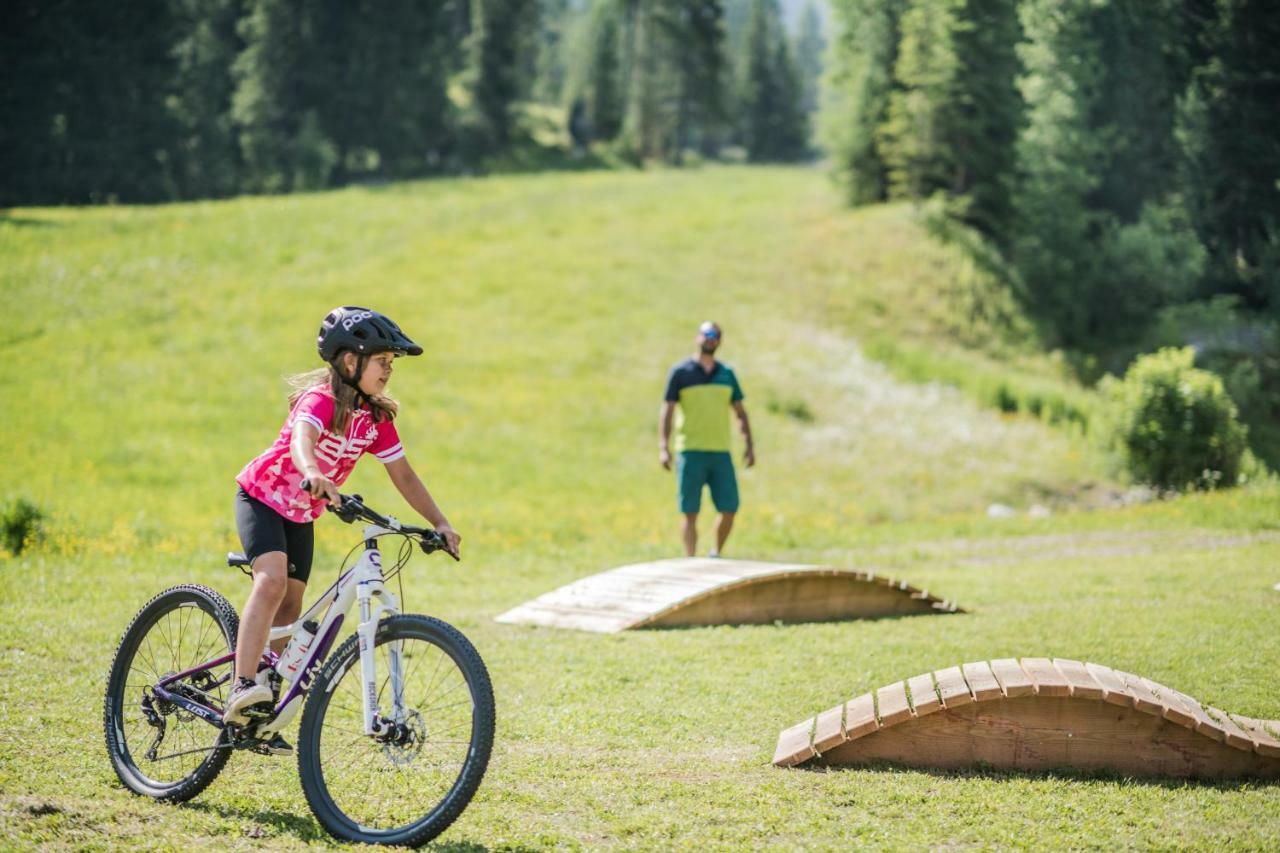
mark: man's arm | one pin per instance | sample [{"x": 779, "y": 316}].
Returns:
[
  {"x": 748, "y": 455},
  {"x": 664, "y": 433}
]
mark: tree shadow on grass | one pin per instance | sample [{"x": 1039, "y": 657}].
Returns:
[
  {"x": 988, "y": 773},
  {"x": 7, "y": 218}
]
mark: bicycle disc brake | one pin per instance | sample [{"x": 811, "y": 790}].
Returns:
[{"x": 403, "y": 741}]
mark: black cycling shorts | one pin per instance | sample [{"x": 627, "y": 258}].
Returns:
[{"x": 263, "y": 530}]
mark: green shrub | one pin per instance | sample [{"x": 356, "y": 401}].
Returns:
[
  {"x": 792, "y": 408},
  {"x": 19, "y": 524},
  {"x": 1174, "y": 426}
]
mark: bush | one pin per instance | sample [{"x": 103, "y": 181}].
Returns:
[
  {"x": 19, "y": 524},
  {"x": 1174, "y": 426}
]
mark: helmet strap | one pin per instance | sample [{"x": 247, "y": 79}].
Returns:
[{"x": 353, "y": 382}]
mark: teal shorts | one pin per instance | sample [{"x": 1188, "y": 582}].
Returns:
[{"x": 698, "y": 468}]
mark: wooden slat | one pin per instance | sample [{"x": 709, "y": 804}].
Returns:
[
  {"x": 893, "y": 706},
  {"x": 924, "y": 697},
  {"x": 829, "y": 731},
  {"x": 1172, "y": 708},
  {"x": 860, "y": 717},
  {"x": 1039, "y": 733},
  {"x": 982, "y": 682},
  {"x": 1046, "y": 678},
  {"x": 1236, "y": 735},
  {"x": 1205, "y": 723},
  {"x": 1012, "y": 679},
  {"x": 718, "y": 592},
  {"x": 952, "y": 687},
  {"x": 1143, "y": 699},
  {"x": 1264, "y": 742},
  {"x": 1113, "y": 689},
  {"x": 794, "y": 745},
  {"x": 1082, "y": 684}
]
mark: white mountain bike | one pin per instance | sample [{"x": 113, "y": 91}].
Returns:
[{"x": 389, "y": 752}]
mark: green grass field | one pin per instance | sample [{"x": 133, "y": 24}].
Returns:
[{"x": 146, "y": 348}]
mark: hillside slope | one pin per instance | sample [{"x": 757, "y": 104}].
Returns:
[
  {"x": 145, "y": 350},
  {"x": 551, "y": 308}
]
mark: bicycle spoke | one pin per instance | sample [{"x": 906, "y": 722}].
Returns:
[
  {"x": 186, "y": 742},
  {"x": 447, "y": 692},
  {"x": 424, "y": 768},
  {"x": 151, "y": 659}
]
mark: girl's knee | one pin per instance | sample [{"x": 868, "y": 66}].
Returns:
[{"x": 271, "y": 574}]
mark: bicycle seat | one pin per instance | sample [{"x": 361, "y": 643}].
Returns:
[{"x": 236, "y": 559}]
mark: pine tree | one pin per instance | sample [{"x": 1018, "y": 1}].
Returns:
[
  {"x": 83, "y": 113},
  {"x": 502, "y": 37},
  {"x": 989, "y": 114},
  {"x": 548, "y": 61},
  {"x": 401, "y": 118},
  {"x": 280, "y": 141},
  {"x": 774, "y": 126},
  {"x": 860, "y": 81},
  {"x": 329, "y": 92},
  {"x": 955, "y": 112},
  {"x": 1231, "y": 142},
  {"x": 206, "y": 157},
  {"x": 673, "y": 66},
  {"x": 1096, "y": 263},
  {"x": 810, "y": 49},
  {"x": 917, "y": 138},
  {"x": 598, "y": 77}
]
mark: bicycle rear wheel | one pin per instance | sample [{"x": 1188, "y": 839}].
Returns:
[
  {"x": 157, "y": 748},
  {"x": 410, "y": 789}
]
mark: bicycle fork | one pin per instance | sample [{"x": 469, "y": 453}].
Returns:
[{"x": 375, "y": 724}]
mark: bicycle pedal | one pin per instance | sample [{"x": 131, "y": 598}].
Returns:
[{"x": 260, "y": 711}]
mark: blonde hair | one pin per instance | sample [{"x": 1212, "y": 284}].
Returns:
[{"x": 345, "y": 398}]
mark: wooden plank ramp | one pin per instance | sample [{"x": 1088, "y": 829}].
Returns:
[
  {"x": 706, "y": 591},
  {"x": 1036, "y": 714}
]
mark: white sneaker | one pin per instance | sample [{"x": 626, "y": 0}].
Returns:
[{"x": 244, "y": 696}]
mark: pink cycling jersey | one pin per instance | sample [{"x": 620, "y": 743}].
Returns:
[{"x": 272, "y": 477}]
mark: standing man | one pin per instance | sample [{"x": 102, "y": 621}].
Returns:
[{"x": 705, "y": 390}]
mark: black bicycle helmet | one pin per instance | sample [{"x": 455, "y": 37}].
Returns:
[{"x": 362, "y": 331}]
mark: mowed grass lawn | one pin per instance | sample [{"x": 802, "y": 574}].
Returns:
[{"x": 146, "y": 348}]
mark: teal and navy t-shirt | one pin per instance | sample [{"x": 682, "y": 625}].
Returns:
[{"x": 702, "y": 422}]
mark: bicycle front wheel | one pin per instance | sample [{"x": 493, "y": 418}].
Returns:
[{"x": 408, "y": 788}]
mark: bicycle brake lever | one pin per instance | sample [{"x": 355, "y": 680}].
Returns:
[{"x": 437, "y": 543}]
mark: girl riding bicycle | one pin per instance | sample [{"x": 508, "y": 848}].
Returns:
[{"x": 336, "y": 415}]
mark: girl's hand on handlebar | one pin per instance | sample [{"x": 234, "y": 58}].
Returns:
[
  {"x": 321, "y": 486},
  {"x": 451, "y": 538}
]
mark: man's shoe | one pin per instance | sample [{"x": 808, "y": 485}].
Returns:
[{"x": 244, "y": 696}]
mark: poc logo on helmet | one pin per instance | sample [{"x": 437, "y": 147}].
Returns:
[{"x": 348, "y": 322}]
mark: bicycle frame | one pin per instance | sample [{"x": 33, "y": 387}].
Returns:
[{"x": 361, "y": 584}]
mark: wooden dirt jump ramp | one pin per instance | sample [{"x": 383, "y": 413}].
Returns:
[
  {"x": 1037, "y": 714},
  {"x": 706, "y": 591}
]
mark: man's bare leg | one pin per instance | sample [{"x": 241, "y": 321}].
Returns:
[
  {"x": 722, "y": 532},
  {"x": 690, "y": 533}
]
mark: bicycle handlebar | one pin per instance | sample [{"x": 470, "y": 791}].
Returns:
[{"x": 352, "y": 508}]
